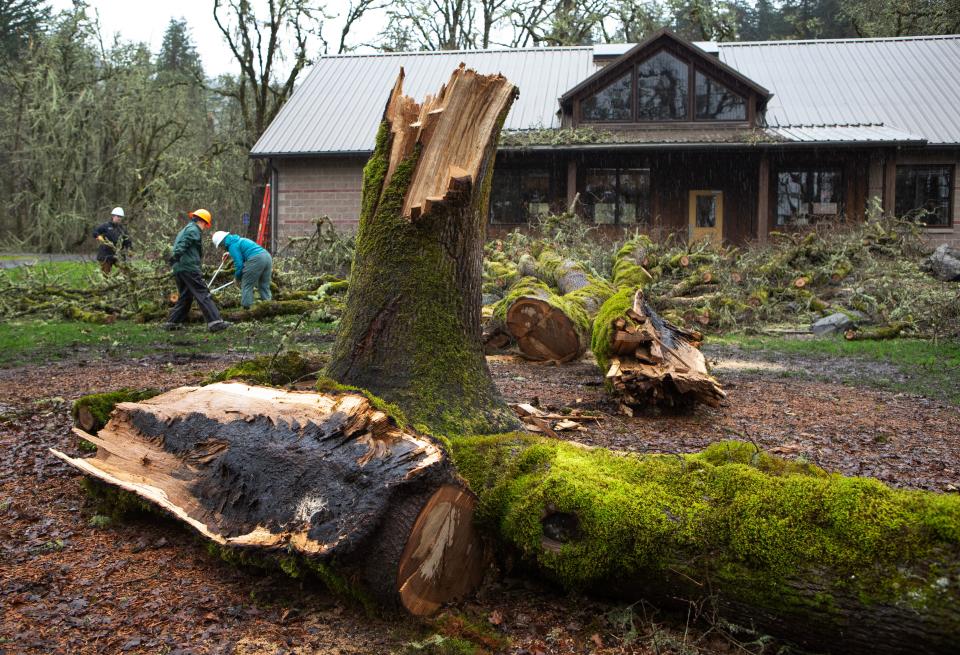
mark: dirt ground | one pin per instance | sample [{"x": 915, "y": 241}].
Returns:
[{"x": 148, "y": 586}]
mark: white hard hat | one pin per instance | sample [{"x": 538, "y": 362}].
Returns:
[
  {"x": 118, "y": 211},
  {"x": 218, "y": 237}
]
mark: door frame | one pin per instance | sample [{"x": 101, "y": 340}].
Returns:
[{"x": 698, "y": 233}]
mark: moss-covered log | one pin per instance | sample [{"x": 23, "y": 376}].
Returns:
[
  {"x": 273, "y": 308},
  {"x": 411, "y": 329},
  {"x": 550, "y": 326},
  {"x": 546, "y": 326},
  {"x": 330, "y": 477},
  {"x": 648, "y": 361},
  {"x": 834, "y": 564}
]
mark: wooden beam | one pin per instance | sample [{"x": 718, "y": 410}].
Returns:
[
  {"x": 571, "y": 181},
  {"x": 889, "y": 182},
  {"x": 763, "y": 198}
]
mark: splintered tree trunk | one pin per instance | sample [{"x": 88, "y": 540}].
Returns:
[
  {"x": 648, "y": 361},
  {"x": 327, "y": 476},
  {"x": 411, "y": 329}
]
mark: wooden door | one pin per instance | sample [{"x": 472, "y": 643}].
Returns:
[{"x": 706, "y": 215}]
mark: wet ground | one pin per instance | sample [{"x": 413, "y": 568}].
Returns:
[{"x": 72, "y": 583}]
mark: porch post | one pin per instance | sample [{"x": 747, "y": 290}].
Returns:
[
  {"x": 889, "y": 182},
  {"x": 763, "y": 198},
  {"x": 571, "y": 181}
]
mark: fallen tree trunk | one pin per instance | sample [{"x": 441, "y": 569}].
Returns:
[
  {"x": 833, "y": 564},
  {"x": 411, "y": 329},
  {"x": 327, "y": 476},
  {"x": 546, "y": 326},
  {"x": 648, "y": 361}
]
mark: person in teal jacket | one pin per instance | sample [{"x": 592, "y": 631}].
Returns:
[
  {"x": 253, "y": 266},
  {"x": 185, "y": 260}
]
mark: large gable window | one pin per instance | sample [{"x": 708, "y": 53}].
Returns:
[
  {"x": 716, "y": 102},
  {"x": 923, "y": 192},
  {"x": 612, "y": 103},
  {"x": 662, "y": 88}
]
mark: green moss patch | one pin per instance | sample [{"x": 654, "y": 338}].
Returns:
[
  {"x": 749, "y": 519},
  {"x": 100, "y": 405},
  {"x": 615, "y": 307},
  {"x": 286, "y": 368}
]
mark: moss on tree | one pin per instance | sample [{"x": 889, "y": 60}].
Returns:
[
  {"x": 285, "y": 368},
  {"x": 100, "y": 405},
  {"x": 749, "y": 524}
]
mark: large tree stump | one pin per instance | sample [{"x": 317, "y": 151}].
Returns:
[
  {"x": 648, "y": 361},
  {"x": 328, "y": 476},
  {"x": 411, "y": 329}
]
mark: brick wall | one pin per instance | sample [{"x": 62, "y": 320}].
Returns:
[{"x": 310, "y": 188}]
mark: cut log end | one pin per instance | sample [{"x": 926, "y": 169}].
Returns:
[
  {"x": 444, "y": 558},
  {"x": 543, "y": 332}
]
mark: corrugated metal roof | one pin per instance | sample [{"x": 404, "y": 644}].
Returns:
[
  {"x": 910, "y": 84},
  {"x": 843, "y": 134},
  {"x": 894, "y": 90},
  {"x": 339, "y": 105}
]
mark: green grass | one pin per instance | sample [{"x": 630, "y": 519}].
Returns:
[
  {"x": 71, "y": 274},
  {"x": 38, "y": 341},
  {"x": 932, "y": 368}
]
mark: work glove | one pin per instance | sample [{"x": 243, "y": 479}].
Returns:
[{"x": 173, "y": 259}]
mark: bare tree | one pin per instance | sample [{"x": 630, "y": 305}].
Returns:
[
  {"x": 257, "y": 45},
  {"x": 355, "y": 11},
  {"x": 433, "y": 24}
]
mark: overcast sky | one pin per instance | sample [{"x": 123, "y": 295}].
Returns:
[{"x": 146, "y": 20}]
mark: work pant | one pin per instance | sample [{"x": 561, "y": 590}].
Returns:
[
  {"x": 257, "y": 272},
  {"x": 191, "y": 286},
  {"x": 106, "y": 265}
]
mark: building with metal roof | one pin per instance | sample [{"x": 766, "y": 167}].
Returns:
[{"x": 713, "y": 140}]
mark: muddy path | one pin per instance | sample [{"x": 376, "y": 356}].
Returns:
[{"x": 71, "y": 582}]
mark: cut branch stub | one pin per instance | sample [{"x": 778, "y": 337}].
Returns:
[{"x": 327, "y": 476}]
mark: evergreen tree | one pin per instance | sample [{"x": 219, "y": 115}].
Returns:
[{"x": 20, "y": 20}]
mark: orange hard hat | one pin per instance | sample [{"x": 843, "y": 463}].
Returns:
[{"x": 202, "y": 214}]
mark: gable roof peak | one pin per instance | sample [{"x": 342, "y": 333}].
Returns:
[{"x": 651, "y": 42}]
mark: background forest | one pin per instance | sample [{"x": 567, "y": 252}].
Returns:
[{"x": 87, "y": 124}]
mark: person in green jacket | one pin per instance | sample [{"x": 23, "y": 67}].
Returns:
[
  {"x": 253, "y": 266},
  {"x": 186, "y": 258}
]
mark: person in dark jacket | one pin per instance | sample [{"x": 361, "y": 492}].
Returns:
[
  {"x": 113, "y": 240},
  {"x": 186, "y": 258},
  {"x": 253, "y": 266}
]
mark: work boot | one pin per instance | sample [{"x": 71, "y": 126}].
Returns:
[
  {"x": 216, "y": 326},
  {"x": 172, "y": 326}
]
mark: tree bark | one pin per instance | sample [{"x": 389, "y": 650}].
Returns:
[
  {"x": 327, "y": 476},
  {"x": 411, "y": 329},
  {"x": 834, "y": 564}
]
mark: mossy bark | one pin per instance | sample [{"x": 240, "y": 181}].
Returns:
[
  {"x": 832, "y": 563},
  {"x": 411, "y": 329}
]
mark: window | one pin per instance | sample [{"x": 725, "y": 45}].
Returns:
[
  {"x": 662, "y": 88},
  {"x": 614, "y": 103},
  {"x": 716, "y": 102},
  {"x": 806, "y": 196},
  {"x": 519, "y": 195},
  {"x": 706, "y": 210},
  {"x": 617, "y": 196},
  {"x": 923, "y": 193}
]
